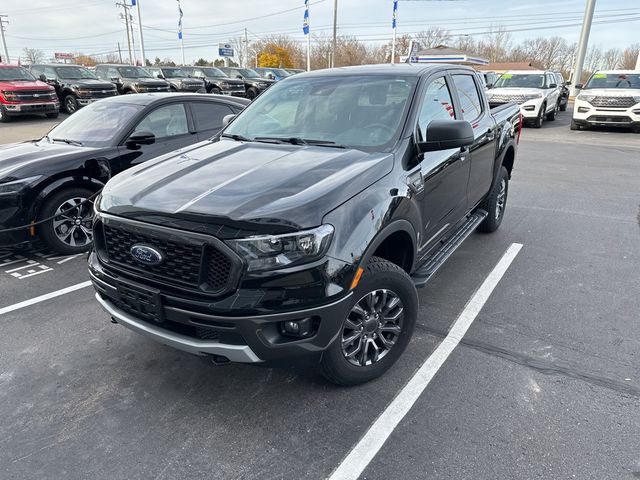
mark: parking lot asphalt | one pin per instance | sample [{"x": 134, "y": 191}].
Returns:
[{"x": 544, "y": 384}]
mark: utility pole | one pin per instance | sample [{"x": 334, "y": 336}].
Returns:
[
  {"x": 141, "y": 38},
  {"x": 119, "y": 52},
  {"x": 582, "y": 46},
  {"x": 335, "y": 33},
  {"x": 3, "y": 22},
  {"x": 246, "y": 49},
  {"x": 638, "y": 61},
  {"x": 126, "y": 21}
]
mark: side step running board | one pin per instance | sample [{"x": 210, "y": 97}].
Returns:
[{"x": 447, "y": 247}]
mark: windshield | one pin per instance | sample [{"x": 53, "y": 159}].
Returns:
[
  {"x": 280, "y": 72},
  {"x": 213, "y": 72},
  {"x": 70, "y": 73},
  {"x": 614, "y": 80},
  {"x": 363, "y": 112},
  {"x": 173, "y": 73},
  {"x": 246, "y": 72},
  {"x": 15, "y": 73},
  {"x": 133, "y": 72},
  {"x": 96, "y": 125},
  {"x": 521, "y": 80}
]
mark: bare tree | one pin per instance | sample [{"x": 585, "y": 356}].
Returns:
[
  {"x": 611, "y": 58},
  {"x": 33, "y": 55},
  {"x": 630, "y": 57},
  {"x": 496, "y": 45},
  {"x": 238, "y": 45},
  {"x": 432, "y": 37}
]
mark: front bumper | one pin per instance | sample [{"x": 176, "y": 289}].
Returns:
[
  {"x": 192, "y": 325},
  {"x": 14, "y": 213},
  {"x": 586, "y": 114},
  {"x": 531, "y": 109},
  {"x": 30, "y": 108}
]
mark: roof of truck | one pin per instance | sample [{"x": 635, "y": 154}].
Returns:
[{"x": 409, "y": 69}]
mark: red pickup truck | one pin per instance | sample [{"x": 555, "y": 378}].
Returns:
[{"x": 22, "y": 94}]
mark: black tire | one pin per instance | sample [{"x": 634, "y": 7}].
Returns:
[
  {"x": 47, "y": 230},
  {"x": 563, "y": 107},
  {"x": 129, "y": 92},
  {"x": 216, "y": 91},
  {"x": 52, "y": 115},
  {"x": 551, "y": 116},
  {"x": 537, "y": 123},
  {"x": 252, "y": 93},
  {"x": 496, "y": 203},
  {"x": 70, "y": 104},
  {"x": 378, "y": 275},
  {"x": 574, "y": 125},
  {"x": 4, "y": 116}
]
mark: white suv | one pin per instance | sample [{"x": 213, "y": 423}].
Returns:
[
  {"x": 536, "y": 91},
  {"x": 610, "y": 97}
]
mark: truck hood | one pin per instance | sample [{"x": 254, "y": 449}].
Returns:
[
  {"x": 25, "y": 85},
  {"x": 148, "y": 82},
  {"x": 612, "y": 92},
  {"x": 17, "y": 156},
  {"x": 90, "y": 83},
  {"x": 265, "y": 185}
]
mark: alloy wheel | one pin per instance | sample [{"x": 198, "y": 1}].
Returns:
[
  {"x": 501, "y": 199},
  {"x": 372, "y": 327},
  {"x": 72, "y": 222}
]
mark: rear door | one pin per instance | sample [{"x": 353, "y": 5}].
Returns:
[
  {"x": 471, "y": 103},
  {"x": 208, "y": 117},
  {"x": 172, "y": 127},
  {"x": 442, "y": 175}
]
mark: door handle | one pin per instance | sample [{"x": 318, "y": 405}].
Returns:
[{"x": 490, "y": 135}]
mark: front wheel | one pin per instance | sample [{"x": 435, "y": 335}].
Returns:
[
  {"x": 540, "y": 118},
  {"x": 4, "y": 116},
  {"x": 252, "y": 93},
  {"x": 70, "y": 104},
  {"x": 70, "y": 231},
  {"x": 574, "y": 125},
  {"x": 551, "y": 116},
  {"x": 216, "y": 91},
  {"x": 495, "y": 203},
  {"x": 378, "y": 327},
  {"x": 52, "y": 115}
]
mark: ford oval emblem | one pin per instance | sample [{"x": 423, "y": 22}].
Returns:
[{"x": 146, "y": 255}]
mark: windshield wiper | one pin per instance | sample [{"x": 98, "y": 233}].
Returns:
[
  {"x": 237, "y": 138},
  {"x": 299, "y": 141},
  {"x": 67, "y": 141}
]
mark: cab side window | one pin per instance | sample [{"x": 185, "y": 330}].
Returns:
[
  {"x": 550, "y": 80},
  {"x": 165, "y": 122},
  {"x": 113, "y": 73},
  {"x": 437, "y": 105},
  {"x": 50, "y": 73},
  {"x": 470, "y": 103}
]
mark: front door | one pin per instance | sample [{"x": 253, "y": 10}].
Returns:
[
  {"x": 171, "y": 128},
  {"x": 444, "y": 174}
]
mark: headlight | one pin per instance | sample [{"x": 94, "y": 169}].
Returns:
[
  {"x": 17, "y": 185},
  {"x": 10, "y": 96},
  {"x": 263, "y": 84},
  {"x": 278, "y": 251},
  {"x": 586, "y": 98},
  {"x": 636, "y": 99},
  {"x": 224, "y": 85},
  {"x": 139, "y": 88}
]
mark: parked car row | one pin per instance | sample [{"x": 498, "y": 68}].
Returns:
[{"x": 45, "y": 88}]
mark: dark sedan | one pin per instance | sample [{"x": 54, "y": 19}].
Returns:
[{"x": 46, "y": 184}]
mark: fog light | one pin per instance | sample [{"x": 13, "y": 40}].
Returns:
[
  {"x": 583, "y": 109},
  {"x": 297, "y": 328}
]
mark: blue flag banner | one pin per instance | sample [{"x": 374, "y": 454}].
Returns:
[
  {"x": 179, "y": 21},
  {"x": 305, "y": 23},
  {"x": 395, "y": 14},
  {"x": 133, "y": 3}
]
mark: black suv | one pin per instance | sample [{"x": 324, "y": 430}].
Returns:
[
  {"x": 564, "y": 91},
  {"x": 75, "y": 86},
  {"x": 305, "y": 230},
  {"x": 253, "y": 82},
  {"x": 179, "y": 80},
  {"x": 216, "y": 81},
  {"x": 131, "y": 79}
]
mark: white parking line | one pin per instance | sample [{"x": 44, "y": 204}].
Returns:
[
  {"x": 44, "y": 297},
  {"x": 361, "y": 455}
]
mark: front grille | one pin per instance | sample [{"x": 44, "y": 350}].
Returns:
[
  {"x": 623, "y": 119},
  {"x": 32, "y": 95},
  {"x": 499, "y": 99},
  {"x": 185, "y": 264},
  {"x": 615, "y": 102},
  {"x": 100, "y": 93}
]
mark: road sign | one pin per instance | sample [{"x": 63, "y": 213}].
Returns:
[
  {"x": 63, "y": 56},
  {"x": 225, "y": 50}
]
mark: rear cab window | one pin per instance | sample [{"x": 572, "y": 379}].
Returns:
[{"x": 471, "y": 104}]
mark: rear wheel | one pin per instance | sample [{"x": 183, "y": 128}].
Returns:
[
  {"x": 70, "y": 231},
  {"x": 563, "y": 106},
  {"x": 378, "y": 327},
  {"x": 551, "y": 116},
  {"x": 495, "y": 203}
]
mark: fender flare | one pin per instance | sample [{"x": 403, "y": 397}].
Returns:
[
  {"x": 400, "y": 225},
  {"x": 61, "y": 183}
]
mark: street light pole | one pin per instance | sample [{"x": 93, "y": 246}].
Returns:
[
  {"x": 4, "y": 40},
  {"x": 335, "y": 33},
  {"x": 142, "y": 55},
  {"x": 582, "y": 46}
]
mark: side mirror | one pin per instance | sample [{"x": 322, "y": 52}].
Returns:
[
  {"x": 271, "y": 76},
  {"x": 161, "y": 76},
  {"x": 42, "y": 77},
  {"x": 489, "y": 86},
  {"x": 226, "y": 120},
  {"x": 567, "y": 83},
  {"x": 553, "y": 85},
  {"x": 445, "y": 134},
  {"x": 239, "y": 76},
  {"x": 579, "y": 86},
  {"x": 140, "y": 138},
  {"x": 115, "y": 79}
]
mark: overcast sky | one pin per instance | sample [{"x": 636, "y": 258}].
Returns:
[{"x": 94, "y": 26}]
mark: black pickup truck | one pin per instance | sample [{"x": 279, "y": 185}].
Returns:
[
  {"x": 305, "y": 228},
  {"x": 131, "y": 79}
]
